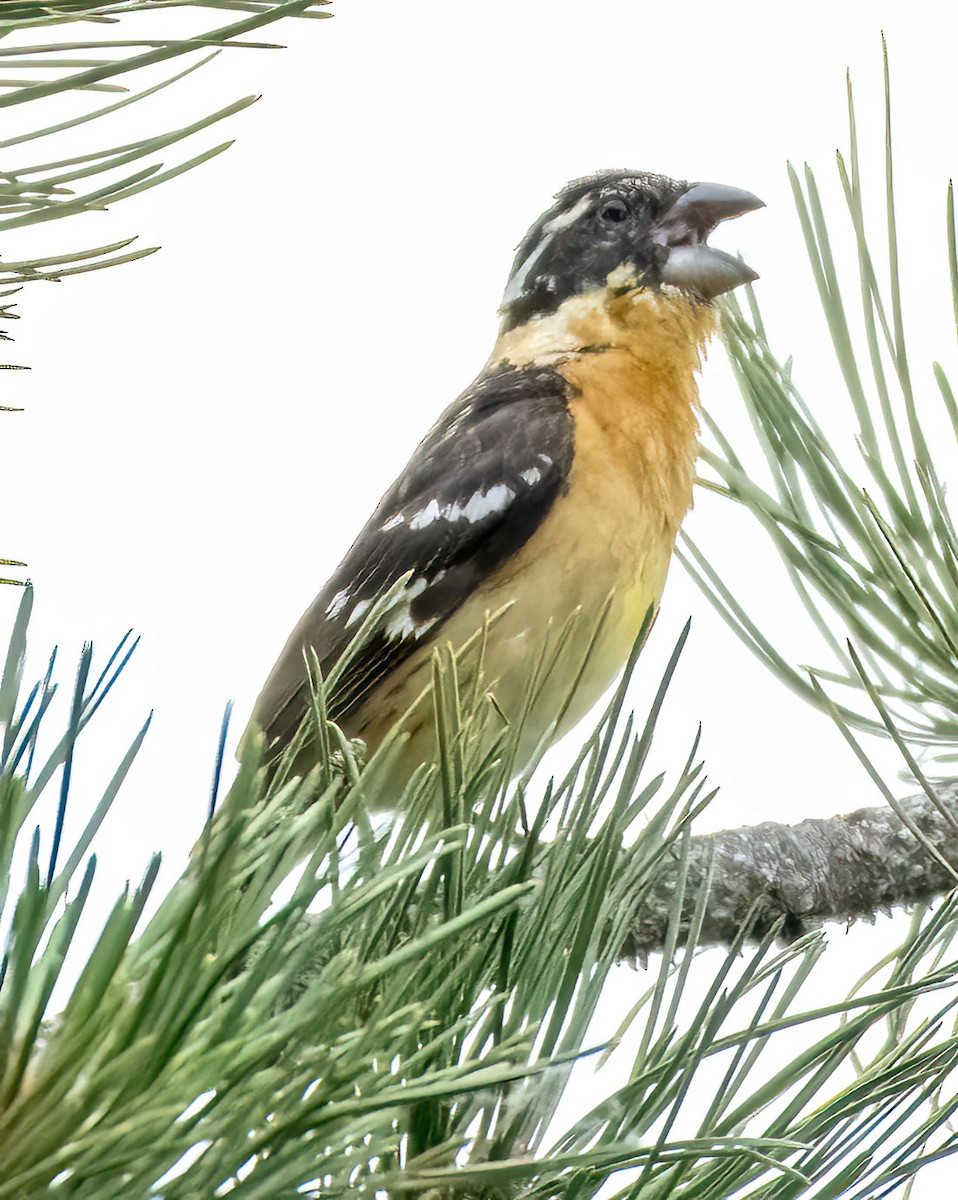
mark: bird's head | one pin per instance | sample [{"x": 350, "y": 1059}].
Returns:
[{"x": 626, "y": 224}]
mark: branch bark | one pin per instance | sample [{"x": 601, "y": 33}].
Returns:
[{"x": 844, "y": 869}]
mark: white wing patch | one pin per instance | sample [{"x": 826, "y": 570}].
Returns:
[
  {"x": 400, "y": 623},
  {"x": 337, "y": 604},
  {"x": 359, "y": 611},
  {"x": 479, "y": 505},
  {"x": 425, "y": 516}
]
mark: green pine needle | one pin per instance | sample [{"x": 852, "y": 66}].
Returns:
[
  {"x": 326, "y": 1005},
  {"x": 869, "y": 544}
]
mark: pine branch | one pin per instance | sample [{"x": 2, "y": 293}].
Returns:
[{"x": 794, "y": 878}]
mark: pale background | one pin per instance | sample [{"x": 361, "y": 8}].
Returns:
[{"x": 207, "y": 430}]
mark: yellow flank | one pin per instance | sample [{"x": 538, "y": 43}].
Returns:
[{"x": 631, "y": 356}]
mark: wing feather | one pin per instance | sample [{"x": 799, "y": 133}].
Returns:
[{"x": 475, "y": 490}]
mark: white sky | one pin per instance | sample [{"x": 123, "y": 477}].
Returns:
[{"x": 207, "y": 430}]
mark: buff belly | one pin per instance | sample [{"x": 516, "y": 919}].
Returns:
[{"x": 547, "y": 589}]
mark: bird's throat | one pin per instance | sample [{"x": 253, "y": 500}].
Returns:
[{"x": 665, "y": 328}]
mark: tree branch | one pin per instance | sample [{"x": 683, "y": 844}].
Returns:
[{"x": 843, "y": 869}]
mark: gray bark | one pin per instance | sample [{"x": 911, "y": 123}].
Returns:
[{"x": 843, "y": 869}]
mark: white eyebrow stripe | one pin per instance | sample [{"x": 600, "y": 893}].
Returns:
[
  {"x": 564, "y": 219},
  {"x": 393, "y": 522}
]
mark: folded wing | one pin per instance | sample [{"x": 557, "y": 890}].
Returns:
[{"x": 475, "y": 490}]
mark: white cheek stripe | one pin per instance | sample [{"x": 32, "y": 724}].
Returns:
[{"x": 517, "y": 281}]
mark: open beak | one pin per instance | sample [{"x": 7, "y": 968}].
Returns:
[{"x": 693, "y": 264}]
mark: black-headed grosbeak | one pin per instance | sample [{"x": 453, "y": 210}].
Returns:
[{"x": 555, "y": 484}]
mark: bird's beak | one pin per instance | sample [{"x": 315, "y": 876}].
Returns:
[{"x": 693, "y": 264}]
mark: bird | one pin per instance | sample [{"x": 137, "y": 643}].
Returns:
[{"x": 549, "y": 493}]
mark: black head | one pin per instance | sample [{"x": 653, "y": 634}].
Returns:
[{"x": 653, "y": 226}]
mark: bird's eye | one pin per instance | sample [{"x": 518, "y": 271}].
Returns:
[{"x": 614, "y": 211}]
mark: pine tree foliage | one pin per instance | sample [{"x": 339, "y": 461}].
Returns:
[
  {"x": 328, "y": 1004},
  {"x": 324, "y": 1006},
  {"x": 44, "y": 67},
  {"x": 869, "y": 544},
  {"x": 84, "y": 81}
]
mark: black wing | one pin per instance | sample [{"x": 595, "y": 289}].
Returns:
[{"x": 476, "y": 488}]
